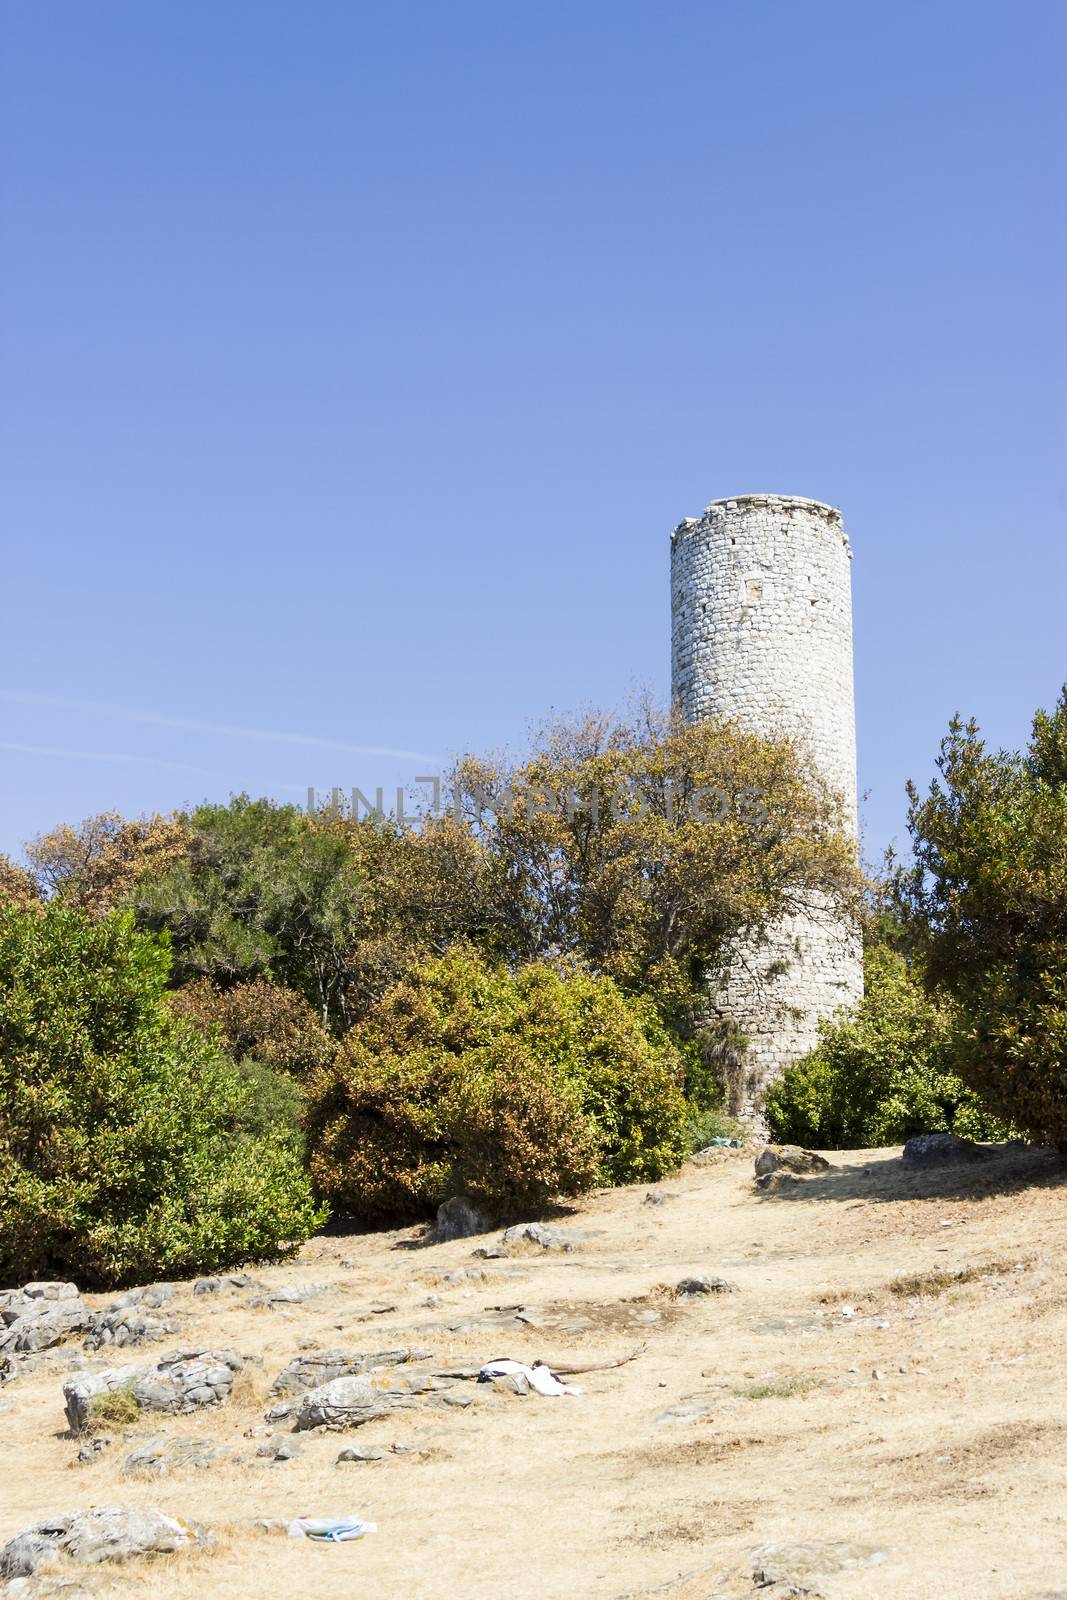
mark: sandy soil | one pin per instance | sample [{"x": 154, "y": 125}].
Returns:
[{"x": 951, "y": 1461}]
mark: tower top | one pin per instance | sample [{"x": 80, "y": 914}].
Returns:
[{"x": 717, "y": 509}]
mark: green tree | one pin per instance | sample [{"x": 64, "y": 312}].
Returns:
[
  {"x": 123, "y": 1155},
  {"x": 989, "y": 890}
]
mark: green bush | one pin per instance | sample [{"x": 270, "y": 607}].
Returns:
[
  {"x": 124, "y": 1150},
  {"x": 508, "y": 1087},
  {"x": 880, "y": 1076}
]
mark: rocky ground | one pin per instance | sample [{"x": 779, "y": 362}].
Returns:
[{"x": 878, "y": 1410}]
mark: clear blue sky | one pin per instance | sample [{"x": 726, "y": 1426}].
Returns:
[{"x": 358, "y": 361}]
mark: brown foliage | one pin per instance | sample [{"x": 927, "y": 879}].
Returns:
[
  {"x": 96, "y": 866},
  {"x": 18, "y": 890},
  {"x": 260, "y": 1020}
]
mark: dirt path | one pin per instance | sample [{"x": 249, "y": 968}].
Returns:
[{"x": 751, "y": 1418}]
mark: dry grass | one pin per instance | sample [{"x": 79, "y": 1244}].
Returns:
[{"x": 954, "y": 1461}]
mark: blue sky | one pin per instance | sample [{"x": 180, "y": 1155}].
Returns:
[{"x": 358, "y": 360}]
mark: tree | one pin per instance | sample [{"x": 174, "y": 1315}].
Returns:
[
  {"x": 649, "y": 848},
  {"x": 123, "y": 1150},
  {"x": 18, "y": 889},
  {"x": 335, "y": 908},
  {"x": 989, "y": 890},
  {"x": 97, "y": 866}
]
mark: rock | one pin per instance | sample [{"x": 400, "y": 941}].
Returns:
[
  {"x": 122, "y": 1325},
  {"x": 40, "y": 1315},
  {"x": 540, "y": 1234},
  {"x": 778, "y": 1180},
  {"x": 459, "y": 1218},
  {"x": 789, "y": 1158},
  {"x": 319, "y": 1367},
  {"x": 350, "y": 1402},
  {"x": 790, "y": 1560},
  {"x": 705, "y": 1285},
  {"x": 106, "y": 1533},
  {"x": 694, "y": 1408},
  {"x": 355, "y": 1452},
  {"x": 178, "y": 1383},
  {"x": 9, "y": 1369},
  {"x": 279, "y": 1447},
  {"x": 92, "y": 1448},
  {"x": 492, "y": 1252},
  {"x": 293, "y": 1294},
  {"x": 941, "y": 1149},
  {"x": 158, "y": 1456},
  {"x": 231, "y": 1280}
]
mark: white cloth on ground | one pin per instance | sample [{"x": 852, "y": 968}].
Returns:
[{"x": 540, "y": 1378}]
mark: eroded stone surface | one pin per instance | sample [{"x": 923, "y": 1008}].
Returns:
[
  {"x": 791, "y": 1559},
  {"x": 314, "y": 1368},
  {"x": 40, "y": 1315},
  {"x": 350, "y": 1402},
  {"x": 105, "y": 1533},
  {"x": 178, "y": 1383}
]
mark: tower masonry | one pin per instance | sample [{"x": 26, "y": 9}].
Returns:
[{"x": 761, "y": 632}]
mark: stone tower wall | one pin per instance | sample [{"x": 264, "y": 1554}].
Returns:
[{"x": 761, "y": 605}]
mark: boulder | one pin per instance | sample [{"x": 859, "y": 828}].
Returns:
[
  {"x": 705, "y": 1285},
  {"x": 122, "y": 1325},
  {"x": 158, "y": 1456},
  {"x": 106, "y": 1533},
  {"x": 941, "y": 1149},
  {"x": 789, "y": 1158},
  {"x": 459, "y": 1218},
  {"x": 350, "y": 1402},
  {"x": 540, "y": 1234},
  {"x": 178, "y": 1383},
  {"x": 318, "y": 1367},
  {"x": 40, "y": 1315}
]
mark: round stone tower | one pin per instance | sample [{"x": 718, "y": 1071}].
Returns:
[{"x": 761, "y": 632}]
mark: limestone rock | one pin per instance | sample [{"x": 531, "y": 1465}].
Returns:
[
  {"x": 787, "y": 1560},
  {"x": 292, "y": 1294},
  {"x": 178, "y": 1383},
  {"x": 106, "y": 1533},
  {"x": 315, "y": 1368},
  {"x": 941, "y": 1149},
  {"x": 789, "y": 1158},
  {"x": 40, "y": 1315},
  {"x": 539, "y": 1233},
  {"x": 694, "y": 1408},
  {"x": 158, "y": 1456},
  {"x": 356, "y": 1452},
  {"x": 279, "y": 1447},
  {"x": 122, "y": 1325},
  {"x": 459, "y": 1218},
  {"x": 350, "y": 1402},
  {"x": 705, "y": 1285}
]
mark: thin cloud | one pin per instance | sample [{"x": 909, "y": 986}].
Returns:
[
  {"x": 107, "y": 756},
  {"x": 158, "y": 719}
]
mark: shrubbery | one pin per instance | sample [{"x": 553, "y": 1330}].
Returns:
[
  {"x": 508, "y": 1087},
  {"x": 124, "y": 1146},
  {"x": 880, "y": 1076},
  {"x": 988, "y": 898}
]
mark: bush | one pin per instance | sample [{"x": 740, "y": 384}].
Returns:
[
  {"x": 124, "y": 1150},
  {"x": 263, "y": 1021},
  {"x": 880, "y": 1076},
  {"x": 507, "y": 1087}
]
